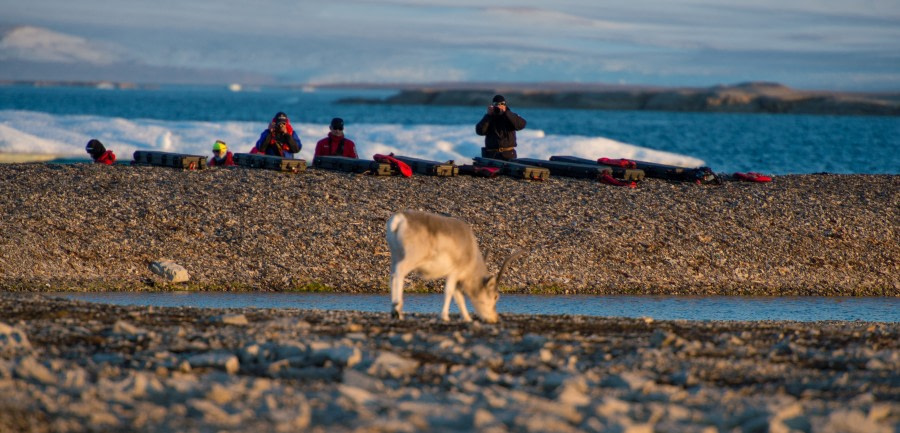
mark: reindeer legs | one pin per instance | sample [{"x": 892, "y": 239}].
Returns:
[
  {"x": 461, "y": 303},
  {"x": 398, "y": 274},
  {"x": 449, "y": 291}
]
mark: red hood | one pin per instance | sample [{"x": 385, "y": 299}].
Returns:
[{"x": 290, "y": 128}]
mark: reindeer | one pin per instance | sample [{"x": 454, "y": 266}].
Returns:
[{"x": 437, "y": 247}]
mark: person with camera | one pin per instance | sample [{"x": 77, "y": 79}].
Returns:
[
  {"x": 335, "y": 144},
  {"x": 279, "y": 139},
  {"x": 499, "y": 126}
]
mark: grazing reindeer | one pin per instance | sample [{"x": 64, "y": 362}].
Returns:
[{"x": 437, "y": 247}]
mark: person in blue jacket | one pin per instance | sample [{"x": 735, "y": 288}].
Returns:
[{"x": 279, "y": 139}]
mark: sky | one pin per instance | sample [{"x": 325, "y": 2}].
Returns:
[{"x": 805, "y": 44}]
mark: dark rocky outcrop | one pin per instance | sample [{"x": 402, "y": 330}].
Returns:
[{"x": 754, "y": 97}]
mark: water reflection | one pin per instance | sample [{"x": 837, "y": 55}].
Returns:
[{"x": 658, "y": 307}]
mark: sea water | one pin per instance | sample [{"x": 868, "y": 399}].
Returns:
[
  {"x": 58, "y": 121},
  {"x": 657, "y": 307}
]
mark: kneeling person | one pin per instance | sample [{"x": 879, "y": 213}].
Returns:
[
  {"x": 335, "y": 144},
  {"x": 222, "y": 157},
  {"x": 99, "y": 153},
  {"x": 279, "y": 139}
]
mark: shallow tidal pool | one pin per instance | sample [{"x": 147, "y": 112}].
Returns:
[{"x": 803, "y": 309}]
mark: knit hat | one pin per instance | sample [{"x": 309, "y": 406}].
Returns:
[
  {"x": 337, "y": 123},
  {"x": 95, "y": 148},
  {"x": 220, "y": 146},
  {"x": 280, "y": 117},
  {"x": 499, "y": 98}
]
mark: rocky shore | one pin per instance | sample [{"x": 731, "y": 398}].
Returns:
[
  {"x": 68, "y": 366},
  {"x": 752, "y": 97},
  {"x": 93, "y": 227}
]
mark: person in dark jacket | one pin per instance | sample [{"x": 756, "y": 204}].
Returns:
[
  {"x": 335, "y": 144},
  {"x": 99, "y": 153},
  {"x": 279, "y": 139},
  {"x": 222, "y": 157},
  {"x": 499, "y": 126}
]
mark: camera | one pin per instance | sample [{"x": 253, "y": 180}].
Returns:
[{"x": 496, "y": 108}]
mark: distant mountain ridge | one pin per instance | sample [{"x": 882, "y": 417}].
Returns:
[
  {"x": 749, "y": 97},
  {"x": 30, "y": 43}
]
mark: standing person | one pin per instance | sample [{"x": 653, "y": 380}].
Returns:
[
  {"x": 335, "y": 144},
  {"x": 499, "y": 126},
  {"x": 279, "y": 139},
  {"x": 222, "y": 157},
  {"x": 99, "y": 153}
]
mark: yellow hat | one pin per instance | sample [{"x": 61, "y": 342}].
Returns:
[{"x": 220, "y": 146}]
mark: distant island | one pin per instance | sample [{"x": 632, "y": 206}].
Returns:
[{"x": 751, "y": 97}]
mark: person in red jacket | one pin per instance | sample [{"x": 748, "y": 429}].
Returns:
[
  {"x": 99, "y": 153},
  {"x": 335, "y": 144},
  {"x": 221, "y": 156}
]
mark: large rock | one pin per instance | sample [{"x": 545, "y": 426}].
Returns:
[
  {"x": 391, "y": 365},
  {"x": 31, "y": 369},
  {"x": 231, "y": 319},
  {"x": 171, "y": 271},
  {"x": 222, "y": 360},
  {"x": 13, "y": 340},
  {"x": 341, "y": 355}
]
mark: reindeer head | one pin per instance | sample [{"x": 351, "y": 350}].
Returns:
[{"x": 484, "y": 301}]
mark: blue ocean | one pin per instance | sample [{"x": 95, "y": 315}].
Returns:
[{"x": 54, "y": 123}]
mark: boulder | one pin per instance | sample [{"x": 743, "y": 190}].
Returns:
[
  {"x": 231, "y": 319},
  {"x": 13, "y": 340},
  {"x": 171, "y": 271},
  {"x": 389, "y": 364},
  {"x": 31, "y": 369},
  {"x": 221, "y": 360}
]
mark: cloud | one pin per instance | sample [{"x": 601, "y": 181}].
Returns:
[
  {"x": 403, "y": 74},
  {"x": 650, "y": 41},
  {"x": 34, "y": 53},
  {"x": 43, "y": 45}
]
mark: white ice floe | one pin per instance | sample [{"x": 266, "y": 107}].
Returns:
[{"x": 40, "y": 135}]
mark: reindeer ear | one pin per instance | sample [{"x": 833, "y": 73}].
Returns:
[{"x": 489, "y": 282}]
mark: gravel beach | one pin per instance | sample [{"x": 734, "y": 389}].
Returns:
[
  {"x": 68, "y": 366},
  {"x": 93, "y": 227}
]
